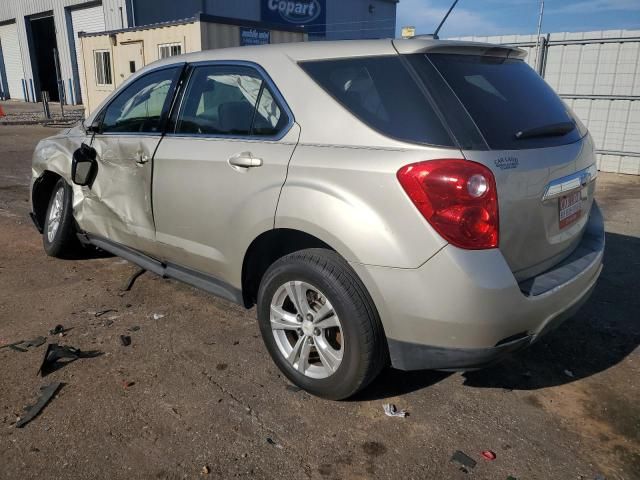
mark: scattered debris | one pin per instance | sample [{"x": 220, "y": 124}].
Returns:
[
  {"x": 56, "y": 352},
  {"x": 23, "y": 345},
  {"x": 206, "y": 470},
  {"x": 125, "y": 340},
  {"x": 58, "y": 329},
  {"x": 464, "y": 460},
  {"x": 132, "y": 279},
  {"x": 104, "y": 312},
  {"x": 126, "y": 384},
  {"x": 158, "y": 316},
  {"x": 390, "y": 410},
  {"x": 46, "y": 394},
  {"x": 135, "y": 328},
  {"x": 221, "y": 366},
  {"x": 271, "y": 441},
  {"x": 17, "y": 348},
  {"x": 488, "y": 455},
  {"x": 511, "y": 477},
  {"x": 569, "y": 373}
]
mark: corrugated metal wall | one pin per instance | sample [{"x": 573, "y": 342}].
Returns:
[
  {"x": 19, "y": 9},
  {"x": 598, "y": 75}
]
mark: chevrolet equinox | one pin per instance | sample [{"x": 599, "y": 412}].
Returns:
[{"x": 421, "y": 203}]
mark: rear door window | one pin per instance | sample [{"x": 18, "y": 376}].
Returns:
[
  {"x": 505, "y": 97},
  {"x": 233, "y": 101},
  {"x": 381, "y": 93}
]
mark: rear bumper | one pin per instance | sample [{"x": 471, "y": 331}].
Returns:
[{"x": 464, "y": 309}]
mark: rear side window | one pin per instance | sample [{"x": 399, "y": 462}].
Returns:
[
  {"x": 381, "y": 92},
  {"x": 505, "y": 97}
]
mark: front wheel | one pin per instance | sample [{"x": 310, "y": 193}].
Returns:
[
  {"x": 319, "y": 324},
  {"x": 59, "y": 236}
]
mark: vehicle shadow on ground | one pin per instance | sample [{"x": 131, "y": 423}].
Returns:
[
  {"x": 87, "y": 252},
  {"x": 392, "y": 382},
  {"x": 602, "y": 334}
]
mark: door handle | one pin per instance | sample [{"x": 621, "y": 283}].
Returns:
[
  {"x": 245, "y": 160},
  {"x": 142, "y": 158}
]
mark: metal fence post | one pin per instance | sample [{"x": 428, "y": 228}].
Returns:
[
  {"x": 45, "y": 104},
  {"x": 59, "y": 81}
]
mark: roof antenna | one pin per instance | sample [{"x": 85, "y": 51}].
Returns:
[{"x": 435, "y": 34}]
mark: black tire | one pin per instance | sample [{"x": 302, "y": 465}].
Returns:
[
  {"x": 365, "y": 349},
  {"x": 64, "y": 241}
]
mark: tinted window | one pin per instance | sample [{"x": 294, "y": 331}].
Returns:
[
  {"x": 222, "y": 101},
  {"x": 141, "y": 106},
  {"x": 381, "y": 92},
  {"x": 504, "y": 97}
]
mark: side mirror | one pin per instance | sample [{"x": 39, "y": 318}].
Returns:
[
  {"x": 84, "y": 166},
  {"x": 94, "y": 127}
]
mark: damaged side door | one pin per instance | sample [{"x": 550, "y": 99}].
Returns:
[{"x": 118, "y": 206}]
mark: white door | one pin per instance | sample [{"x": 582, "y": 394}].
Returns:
[
  {"x": 88, "y": 20},
  {"x": 12, "y": 60}
]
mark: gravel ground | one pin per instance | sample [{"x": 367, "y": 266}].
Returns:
[
  {"x": 27, "y": 113},
  {"x": 196, "y": 392}
]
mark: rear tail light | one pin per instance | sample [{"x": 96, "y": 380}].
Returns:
[{"x": 457, "y": 197}]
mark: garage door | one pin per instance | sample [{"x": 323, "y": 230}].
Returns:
[
  {"x": 12, "y": 60},
  {"x": 88, "y": 20}
]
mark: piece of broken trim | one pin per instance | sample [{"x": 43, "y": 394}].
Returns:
[
  {"x": 390, "y": 410},
  {"x": 46, "y": 394},
  {"x": 464, "y": 460},
  {"x": 23, "y": 345},
  {"x": 125, "y": 340},
  {"x": 132, "y": 279},
  {"x": 56, "y": 352}
]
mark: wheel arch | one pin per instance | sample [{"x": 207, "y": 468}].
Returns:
[
  {"x": 41, "y": 194},
  {"x": 268, "y": 247}
]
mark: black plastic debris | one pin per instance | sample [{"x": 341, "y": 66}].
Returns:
[
  {"x": 55, "y": 352},
  {"x": 125, "y": 340},
  {"x": 58, "y": 329},
  {"x": 132, "y": 279},
  {"x": 464, "y": 461},
  {"x": 104, "y": 312},
  {"x": 271, "y": 441},
  {"x": 46, "y": 394},
  {"x": 24, "y": 345}
]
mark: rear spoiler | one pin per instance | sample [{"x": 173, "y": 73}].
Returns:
[{"x": 457, "y": 48}]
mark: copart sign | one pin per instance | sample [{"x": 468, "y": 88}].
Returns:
[{"x": 310, "y": 14}]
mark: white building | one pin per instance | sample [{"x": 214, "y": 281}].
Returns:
[{"x": 30, "y": 30}]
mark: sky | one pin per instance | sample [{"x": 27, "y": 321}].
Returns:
[{"x": 500, "y": 17}]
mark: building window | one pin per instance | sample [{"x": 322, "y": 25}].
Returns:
[
  {"x": 103, "y": 67},
  {"x": 169, "y": 49}
]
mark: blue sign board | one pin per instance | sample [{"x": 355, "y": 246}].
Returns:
[
  {"x": 254, "y": 36},
  {"x": 309, "y": 14}
]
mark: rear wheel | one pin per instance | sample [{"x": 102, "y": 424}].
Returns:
[
  {"x": 59, "y": 236},
  {"x": 319, "y": 324}
]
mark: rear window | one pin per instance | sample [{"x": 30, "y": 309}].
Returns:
[
  {"x": 504, "y": 97},
  {"x": 381, "y": 92}
]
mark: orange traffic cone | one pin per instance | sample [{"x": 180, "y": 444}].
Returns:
[{"x": 2, "y": 114}]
